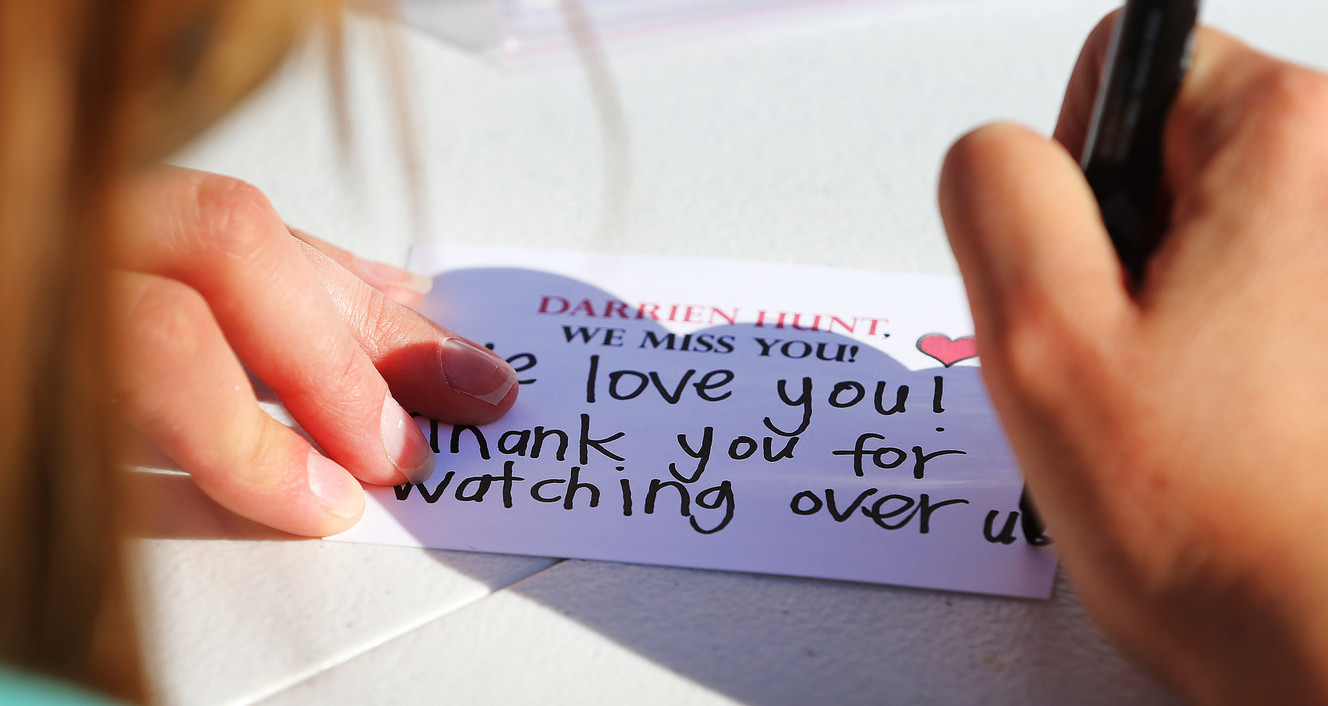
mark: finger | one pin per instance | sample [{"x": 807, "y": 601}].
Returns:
[
  {"x": 183, "y": 388},
  {"x": 1081, "y": 92},
  {"x": 1035, "y": 258},
  {"x": 222, "y": 238},
  {"x": 400, "y": 285},
  {"x": 430, "y": 369}
]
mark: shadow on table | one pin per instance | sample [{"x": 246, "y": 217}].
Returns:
[
  {"x": 782, "y": 640},
  {"x": 174, "y": 508},
  {"x": 773, "y": 639}
]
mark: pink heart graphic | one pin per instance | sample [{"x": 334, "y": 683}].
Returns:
[{"x": 948, "y": 350}]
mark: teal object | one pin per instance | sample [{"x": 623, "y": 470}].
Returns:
[{"x": 25, "y": 689}]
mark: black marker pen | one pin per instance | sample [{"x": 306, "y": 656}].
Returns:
[{"x": 1122, "y": 158}]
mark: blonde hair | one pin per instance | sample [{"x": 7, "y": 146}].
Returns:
[{"x": 89, "y": 90}]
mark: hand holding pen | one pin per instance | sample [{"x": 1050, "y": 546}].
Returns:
[
  {"x": 1172, "y": 426},
  {"x": 1121, "y": 151}
]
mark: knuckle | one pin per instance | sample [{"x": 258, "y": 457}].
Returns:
[
  {"x": 1099, "y": 39},
  {"x": 170, "y": 319},
  {"x": 377, "y": 322},
  {"x": 1292, "y": 107},
  {"x": 340, "y": 384},
  {"x": 236, "y": 218},
  {"x": 1044, "y": 352},
  {"x": 974, "y": 162},
  {"x": 264, "y": 459},
  {"x": 257, "y": 459},
  {"x": 1295, "y": 92},
  {"x": 316, "y": 249},
  {"x": 1024, "y": 354},
  {"x": 174, "y": 323},
  {"x": 978, "y": 146}
]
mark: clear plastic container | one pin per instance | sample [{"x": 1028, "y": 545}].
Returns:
[{"x": 521, "y": 31}]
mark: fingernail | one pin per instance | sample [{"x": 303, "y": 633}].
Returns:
[
  {"x": 381, "y": 274},
  {"x": 406, "y": 297},
  {"x": 333, "y": 486},
  {"x": 476, "y": 371},
  {"x": 406, "y": 446}
]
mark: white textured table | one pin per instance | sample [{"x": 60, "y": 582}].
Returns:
[{"x": 802, "y": 142}]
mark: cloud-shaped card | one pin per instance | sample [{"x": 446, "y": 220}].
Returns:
[{"x": 725, "y": 415}]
